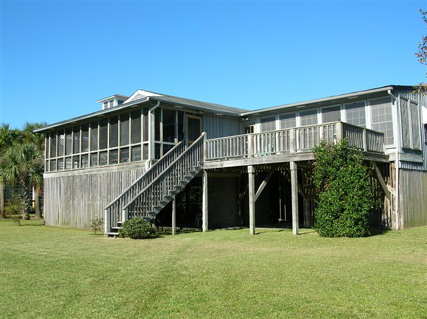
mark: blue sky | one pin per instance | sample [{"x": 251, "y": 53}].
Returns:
[{"x": 59, "y": 57}]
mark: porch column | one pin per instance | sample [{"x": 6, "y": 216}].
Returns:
[
  {"x": 205, "y": 207},
  {"x": 251, "y": 181},
  {"x": 294, "y": 192},
  {"x": 173, "y": 216}
]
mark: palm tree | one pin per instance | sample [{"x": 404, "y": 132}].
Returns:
[
  {"x": 39, "y": 141},
  {"x": 7, "y": 138},
  {"x": 22, "y": 164}
]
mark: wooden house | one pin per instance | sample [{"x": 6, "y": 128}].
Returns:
[{"x": 198, "y": 164}]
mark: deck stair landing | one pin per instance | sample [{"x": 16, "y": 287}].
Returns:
[{"x": 157, "y": 187}]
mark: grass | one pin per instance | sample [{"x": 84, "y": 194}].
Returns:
[{"x": 50, "y": 272}]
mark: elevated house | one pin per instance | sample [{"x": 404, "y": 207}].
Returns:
[{"x": 198, "y": 164}]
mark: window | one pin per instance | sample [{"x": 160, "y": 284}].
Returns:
[
  {"x": 136, "y": 127},
  {"x": 331, "y": 114},
  {"x": 145, "y": 114},
  {"x": 308, "y": 117},
  {"x": 136, "y": 153},
  {"x": 76, "y": 145},
  {"x": 68, "y": 163},
  {"x": 93, "y": 136},
  {"x": 85, "y": 161},
  {"x": 168, "y": 126},
  {"x": 103, "y": 133},
  {"x": 124, "y": 155},
  {"x": 113, "y": 131},
  {"x": 288, "y": 121},
  {"x": 124, "y": 129},
  {"x": 114, "y": 157},
  {"x": 53, "y": 145},
  {"x": 356, "y": 114},
  {"x": 268, "y": 124},
  {"x": 60, "y": 164},
  {"x": 85, "y": 138},
  {"x": 415, "y": 126},
  {"x": 157, "y": 114},
  {"x": 68, "y": 142},
  {"x": 382, "y": 119},
  {"x": 103, "y": 158},
  {"x": 76, "y": 162},
  {"x": 93, "y": 159},
  {"x": 61, "y": 144}
]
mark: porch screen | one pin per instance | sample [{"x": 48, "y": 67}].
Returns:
[
  {"x": 331, "y": 114},
  {"x": 415, "y": 126},
  {"x": 76, "y": 143},
  {"x": 382, "y": 118},
  {"x": 113, "y": 131},
  {"x": 268, "y": 124},
  {"x": 68, "y": 143},
  {"x": 85, "y": 137},
  {"x": 288, "y": 120},
  {"x": 136, "y": 127},
  {"x": 53, "y": 145},
  {"x": 356, "y": 114},
  {"x": 94, "y": 136},
  {"x": 103, "y": 133},
  {"x": 168, "y": 125},
  {"x": 308, "y": 117},
  {"x": 124, "y": 129}
]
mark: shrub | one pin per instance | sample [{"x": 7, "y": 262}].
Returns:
[
  {"x": 96, "y": 224},
  {"x": 137, "y": 228},
  {"x": 13, "y": 209},
  {"x": 345, "y": 195}
]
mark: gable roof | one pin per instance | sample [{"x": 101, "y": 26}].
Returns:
[{"x": 142, "y": 96}]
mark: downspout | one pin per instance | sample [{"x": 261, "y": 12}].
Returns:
[
  {"x": 397, "y": 158},
  {"x": 151, "y": 134}
]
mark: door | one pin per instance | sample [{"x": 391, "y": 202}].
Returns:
[
  {"x": 194, "y": 128},
  {"x": 249, "y": 128}
]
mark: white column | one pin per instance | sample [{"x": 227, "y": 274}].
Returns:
[
  {"x": 251, "y": 180},
  {"x": 205, "y": 208},
  {"x": 294, "y": 192}
]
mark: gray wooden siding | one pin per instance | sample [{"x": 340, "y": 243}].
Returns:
[
  {"x": 413, "y": 197},
  {"x": 74, "y": 200},
  {"x": 220, "y": 126}
]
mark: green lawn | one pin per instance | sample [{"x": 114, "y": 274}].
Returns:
[{"x": 50, "y": 272}]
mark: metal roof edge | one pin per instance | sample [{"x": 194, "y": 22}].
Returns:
[
  {"x": 93, "y": 114},
  {"x": 325, "y": 99}
]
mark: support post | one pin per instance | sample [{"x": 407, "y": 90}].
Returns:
[
  {"x": 294, "y": 192},
  {"x": 292, "y": 144},
  {"x": 174, "y": 216},
  {"x": 365, "y": 140},
  {"x": 251, "y": 178},
  {"x": 106, "y": 223},
  {"x": 205, "y": 202}
]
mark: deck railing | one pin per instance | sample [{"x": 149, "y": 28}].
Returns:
[
  {"x": 300, "y": 139},
  {"x": 167, "y": 181},
  {"x": 114, "y": 209}
]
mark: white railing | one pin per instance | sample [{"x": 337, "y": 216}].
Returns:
[
  {"x": 113, "y": 211},
  {"x": 300, "y": 139}
]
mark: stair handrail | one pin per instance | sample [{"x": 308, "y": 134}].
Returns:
[
  {"x": 193, "y": 145},
  {"x": 149, "y": 171}
]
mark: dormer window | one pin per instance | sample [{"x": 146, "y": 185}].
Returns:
[{"x": 112, "y": 101}]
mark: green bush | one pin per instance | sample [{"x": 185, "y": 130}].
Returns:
[
  {"x": 345, "y": 195},
  {"x": 137, "y": 228},
  {"x": 96, "y": 224}
]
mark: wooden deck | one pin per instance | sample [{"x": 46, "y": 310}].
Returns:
[{"x": 289, "y": 145}]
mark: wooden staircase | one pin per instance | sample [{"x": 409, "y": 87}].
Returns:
[{"x": 157, "y": 187}]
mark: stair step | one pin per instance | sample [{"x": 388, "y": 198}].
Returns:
[{"x": 112, "y": 234}]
